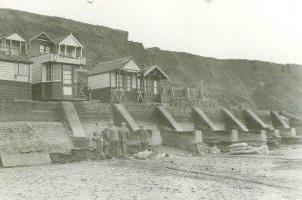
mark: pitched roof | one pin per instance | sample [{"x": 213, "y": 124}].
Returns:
[
  {"x": 112, "y": 65},
  {"x": 14, "y": 58},
  {"x": 70, "y": 40},
  {"x": 43, "y": 33},
  {"x": 149, "y": 69},
  {"x": 15, "y": 37}
]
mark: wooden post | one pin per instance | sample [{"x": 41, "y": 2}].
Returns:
[
  {"x": 110, "y": 79},
  {"x": 119, "y": 79},
  {"x": 188, "y": 93},
  {"x": 59, "y": 50},
  {"x": 172, "y": 92},
  {"x": 136, "y": 81},
  {"x": 65, "y": 51},
  {"x": 116, "y": 80},
  {"x": 75, "y": 52},
  {"x": 159, "y": 85},
  {"x": 81, "y": 52},
  {"x": 10, "y": 46},
  {"x": 20, "y": 51},
  {"x": 90, "y": 91}
]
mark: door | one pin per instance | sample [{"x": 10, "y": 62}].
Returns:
[{"x": 67, "y": 81}]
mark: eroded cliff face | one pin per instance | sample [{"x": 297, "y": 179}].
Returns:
[{"x": 257, "y": 84}]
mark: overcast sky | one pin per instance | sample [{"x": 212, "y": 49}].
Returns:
[{"x": 268, "y": 30}]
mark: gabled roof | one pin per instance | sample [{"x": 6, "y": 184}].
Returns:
[
  {"x": 70, "y": 40},
  {"x": 45, "y": 34},
  {"x": 15, "y": 37},
  {"x": 149, "y": 69},
  {"x": 113, "y": 65}
]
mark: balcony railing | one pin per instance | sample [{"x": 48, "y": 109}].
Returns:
[
  {"x": 5, "y": 49},
  {"x": 60, "y": 59}
]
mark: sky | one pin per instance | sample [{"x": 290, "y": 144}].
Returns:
[{"x": 269, "y": 30}]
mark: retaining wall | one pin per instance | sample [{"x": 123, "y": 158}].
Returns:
[{"x": 23, "y": 110}]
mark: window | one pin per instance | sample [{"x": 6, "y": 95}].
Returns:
[
  {"x": 120, "y": 81},
  {"x": 67, "y": 74},
  {"x": 113, "y": 79},
  {"x": 134, "y": 80},
  {"x": 67, "y": 91},
  {"x": 56, "y": 71},
  {"x": 138, "y": 83},
  {"x": 149, "y": 86},
  {"x": 129, "y": 82},
  {"x": 75, "y": 75},
  {"x": 22, "y": 72},
  {"x": 155, "y": 89},
  {"x": 47, "y": 49},
  {"x": 48, "y": 73},
  {"x": 41, "y": 49},
  {"x": 145, "y": 85},
  {"x": 44, "y": 49}
]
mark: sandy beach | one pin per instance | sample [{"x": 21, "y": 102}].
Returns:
[{"x": 178, "y": 176}]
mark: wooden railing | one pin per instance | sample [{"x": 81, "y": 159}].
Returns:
[
  {"x": 185, "y": 97},
  {"x": 5, "y": 49}
]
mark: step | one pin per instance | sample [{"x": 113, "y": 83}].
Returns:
[
  {"x": 276, "y": 118},
  {"x": 123, "y": 112},
  {"x": 202, "y": 116},
  {"x": 73, "y": 120},
  {"x": 170, "y": 119},
  {"x": 256, "y": 119},
  {"x": 234, "y": 120}
]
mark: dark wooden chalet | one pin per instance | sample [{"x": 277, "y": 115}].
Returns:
[
  {"x": 115, "y": 81},
  {"x": 155, "y": 81},
  {"x": 55, "y": 66},
  {"x": 15, "y": 79}
]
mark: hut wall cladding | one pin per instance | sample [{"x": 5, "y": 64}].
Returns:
[
  {"x": 22, "y": 110},
  {"x": 7, "y": 71},
  {"x": 15, "y": 90},
  {"x": 103, "y": 95},
  {"x": 99, "y": 81}
]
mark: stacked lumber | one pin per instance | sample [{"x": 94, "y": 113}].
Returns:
[{"x": 244, "y": 148}]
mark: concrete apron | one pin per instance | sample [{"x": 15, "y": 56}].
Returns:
[
  {"x": 252, "y": 138},
  {"x": 289, "y": 136},
  {"x": 26, "y": 159}
]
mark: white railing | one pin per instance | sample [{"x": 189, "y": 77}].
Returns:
[
  {"x": 11, "y": 51},
  {"x": 61, "y": 59}
]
